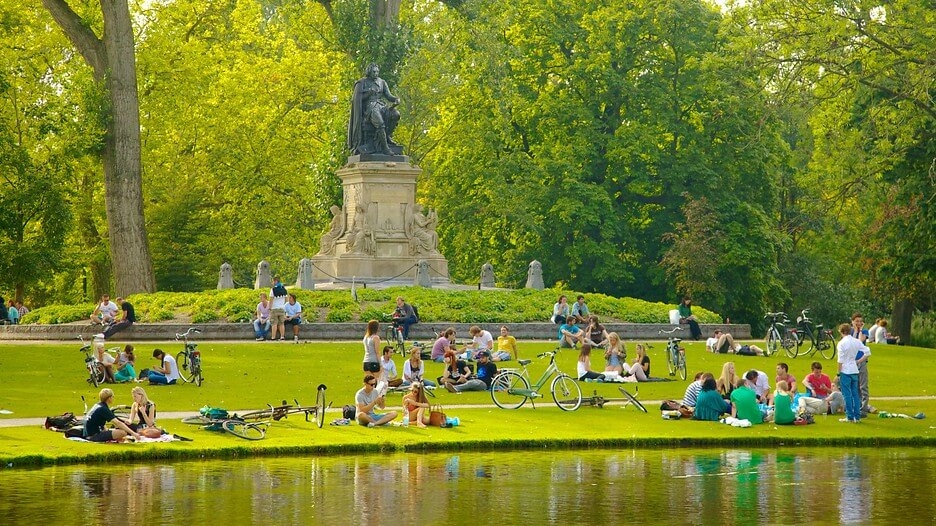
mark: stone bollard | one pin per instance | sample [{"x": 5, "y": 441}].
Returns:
[
  {"x": 304, "y": 278},
  {"x": 487, "y": 275},
  {"x": 264, "y": 279},
  {"x": 535, "y": 276},
  {"x": 422, "y": 275},
  {"x": 225, "y": 277}
]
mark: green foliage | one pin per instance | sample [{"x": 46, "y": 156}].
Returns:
[
  {"x": 338, "y": 316},
  {"x": 55, "y": 314},
  {"x": 923, "y": 330}
]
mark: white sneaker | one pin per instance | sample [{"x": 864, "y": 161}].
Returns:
[
  {"x": 371, "y": 424},
  {"x": 99, "y": 335},
  {"x": 295, "y": 339}
]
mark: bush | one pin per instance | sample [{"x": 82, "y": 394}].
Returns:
[{"x": 922, "y": 330}]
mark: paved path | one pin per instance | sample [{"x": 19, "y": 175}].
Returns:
[{"x": 25, "y": 422}]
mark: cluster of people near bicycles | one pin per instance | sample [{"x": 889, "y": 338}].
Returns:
[{"x": 123, "y": 367}]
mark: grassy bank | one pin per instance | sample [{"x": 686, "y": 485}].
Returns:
[{"x": 42, "y": 380}]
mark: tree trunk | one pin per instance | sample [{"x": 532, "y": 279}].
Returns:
[
  {"x": 114, "y": 64},
  {"x": 901, "y": 318}
]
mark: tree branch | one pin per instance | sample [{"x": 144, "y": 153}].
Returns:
[{"x": 87, "y": 43}]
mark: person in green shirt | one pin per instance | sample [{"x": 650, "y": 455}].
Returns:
[
  {"x": 709, "y": 404},
  {"x": 685, "y": 316},
  {"x": 783, "y": 404},
  {"x": 744, "y": 400}
]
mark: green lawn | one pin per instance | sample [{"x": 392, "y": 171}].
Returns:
[{"x": 45, "y": 379}]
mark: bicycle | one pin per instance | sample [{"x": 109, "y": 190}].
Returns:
[
  {"x": 189, "y": 359},
  {"x": 820, "y": 339},
  {"x": 596, "y": 400},
  {"x": 510, "y": 389},
  {"x": 214, "y": 419},
  {"x": 675, "y": 355},
  {"x": 96, "y": 375},
  {"x": 394, "y": 338},
  {"x": 778, "y": 335},
  {"x": 285, "y": 409}
]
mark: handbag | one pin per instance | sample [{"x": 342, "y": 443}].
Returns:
[{"x": 436, "y": 416}]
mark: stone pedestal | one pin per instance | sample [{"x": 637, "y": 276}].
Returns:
[{"x": 380, "y": 232}]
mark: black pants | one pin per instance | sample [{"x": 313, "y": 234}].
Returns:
[
  {"x": 694, "y": 329},
  {"x": 116, "y": 327}
]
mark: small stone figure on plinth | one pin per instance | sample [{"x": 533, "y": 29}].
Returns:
[
  {"x": 421, "y": 229},
  {"x": 361, "y": 239},
  {"x": 225, "y": 277},
  {"x": 304, "y": 278},
  {"x": 330, "y": 238},
  {"x": 373, "y": 116},
  {"x": 535, "y": 276},
  {"x": 487, "y": 275},
  {"x": 264, "y": 280},
  {"x": 422, "y": 274}
]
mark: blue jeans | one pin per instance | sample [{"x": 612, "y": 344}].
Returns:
[
  {"x": 849, "y": 385},
  {"x": 257, "y": 328},
  {"x": 159, "y": 378}
]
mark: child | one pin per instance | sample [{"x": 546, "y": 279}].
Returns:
[
  {"x": 417, "y": 404},
  {"x": 783, "y": 404},
  {"x": 584, "y": 365}
]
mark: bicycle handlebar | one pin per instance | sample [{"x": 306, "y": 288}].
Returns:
[{"x": 545, "y": 354}]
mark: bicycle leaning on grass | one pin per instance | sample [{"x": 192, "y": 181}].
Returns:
[
  {"x": 94, "y": 368},
  {"x": 820, "y": 339},
  {"x": 675, "y": 355},
  {"x": 510, "y": 389},
  {"x": 778, "y": 335},
  {"x": 189, "y": 359}
]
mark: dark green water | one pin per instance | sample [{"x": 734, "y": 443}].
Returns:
[{"x": 683, "y": 486}]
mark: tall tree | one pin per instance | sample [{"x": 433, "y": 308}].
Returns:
[{"x": 113, "y": 62}]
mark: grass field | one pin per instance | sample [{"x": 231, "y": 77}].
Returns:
[{"x": 44, "y": 379}]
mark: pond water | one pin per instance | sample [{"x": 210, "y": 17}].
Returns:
[{"x": 681, "y": 486}]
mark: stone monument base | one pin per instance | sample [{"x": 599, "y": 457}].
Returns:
[{"x": 399, "y": 270}]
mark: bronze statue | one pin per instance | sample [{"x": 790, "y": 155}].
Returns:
[{"x": 373, "y": 115}]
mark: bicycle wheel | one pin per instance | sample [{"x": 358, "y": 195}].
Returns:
[
  {"x": 566, "y": 392},
  {"x": 320, "y": 407},
  {"x": 794, "y": 350},
  {"x": 96, "y": 374},
  {"x": 632, "y": 399},
  {"x": 813, "y": 343},
  {"x": 244, "y": 429},
  {"x": 196, "y": 371},
  {"x": 508, "y": 390},
  {"x": 773, "y": 342},
  {"x": 184, "y": 365},
  {"x": 197, "y": 420},
  {"x": 827, "y": 345},
  {"x": 670, "y": 366},
  {"x": 788, "y": 342},
  {"x": 681, "y": 364}
]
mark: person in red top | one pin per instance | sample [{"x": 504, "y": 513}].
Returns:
[
  {"x": 818, "y": 385},
  {"x": 783, "y": 373}
]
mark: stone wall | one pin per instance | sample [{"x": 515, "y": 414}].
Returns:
[{"x": 338, "y": 331}]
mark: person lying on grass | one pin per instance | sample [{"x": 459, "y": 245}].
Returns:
[{"x": 99, "y": 416}]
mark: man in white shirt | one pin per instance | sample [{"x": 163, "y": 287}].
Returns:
[
  {"x": 481, "y": 340},
  {"x": 105, "y": 312},
  {"x": 848, "y": 349},
  {"x": 388, "y": 370},
  {"x": 293, "y": 311}
]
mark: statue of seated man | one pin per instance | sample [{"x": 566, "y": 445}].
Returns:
[{"x": 373, "y": 104}]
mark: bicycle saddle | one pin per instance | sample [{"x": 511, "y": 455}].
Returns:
[{"x": 524, "y": 362}]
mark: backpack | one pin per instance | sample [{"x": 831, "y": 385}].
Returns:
[
  {"x": 348, "y": 412},
  {"x": 215, "y": 413},
  {"x": 670, "y": 405},
  {"x": 416, "y": 312},
  {"x": 63, "y": 421},
  {"x": 279, "y": 291}
]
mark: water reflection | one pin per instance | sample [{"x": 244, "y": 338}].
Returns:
[{"x": 576, "y": 487}]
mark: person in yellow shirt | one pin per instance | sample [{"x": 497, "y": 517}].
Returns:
[{"x": 506, "y": 347}]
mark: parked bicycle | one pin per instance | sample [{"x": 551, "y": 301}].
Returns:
[
  {"x": 394, "y": 338},
  {"x": 95, "y": 369},
  {"x": 597, "y": 400},
  {"x": 510, "y": 389},
  {"x": 189, "y": 359},
  {"x": 778, "y": 335},
  {"x": 820, "y": 339},
  {"x": 675, "y": 355}
]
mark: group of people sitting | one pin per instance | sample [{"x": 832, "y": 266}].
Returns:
[
  {"x": 122, "y": 368},
  {"x": 141, "y": 423},
  {"x": 749, "y": 397},
  {"x": 112, "y": 318},
  {"x": 13, "y": 313},
  {"x": 274, "y": 315}
]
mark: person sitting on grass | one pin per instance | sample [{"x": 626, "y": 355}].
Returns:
[
  {"x": 728, "y": 380},
  {"x": 506, "y": 346},
  {"x": 444, "y": 344},
  {"x": 783, "y": 373},
  {"x": 595, "y": 333},
  {"x": 693, "y": 389},
  {"x": 417, "y": 405},
  {"x": 414, "y": 369},
  {"x": 832, "y": 404},
  {"x": 782, "y": 403},
  {"x": 96, "y": 420},
  {"x": 818, "y": 385},
  {"x": 570, "y": 335},
  {"x": 456, "y": 371},
  {"x": 744, "y": 400},
  {"x": 616, "y": 354},
  {"x": 106, "y": 360},
  {"x": 482, "y": 382},
  {"x": 367, "y": 399},
  {"x": 143, "y": 414},
  {"x": 640, "y": 369},
  {"x": 126, "y": 364},
  {"x": 388, "y": 370},
  {"x": 583, "y": 366},
  {"x": 709, "y": 404},
  {"x": 167, "y": 372},
  {"x": 481, "y": 340}
]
